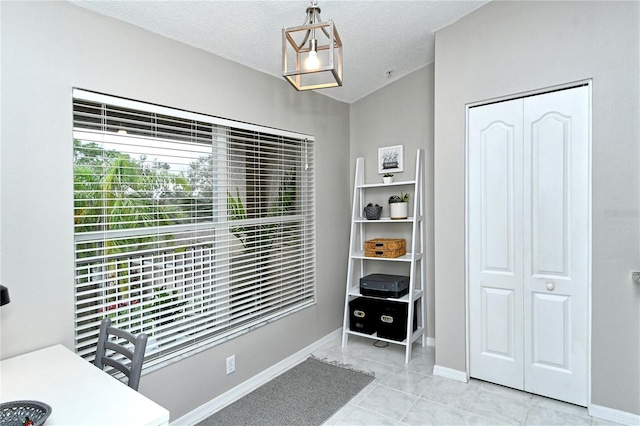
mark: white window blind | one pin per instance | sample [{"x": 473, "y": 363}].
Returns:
[{"x": 188, "y": 227}]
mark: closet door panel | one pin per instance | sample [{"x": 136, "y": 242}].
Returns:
[
  {"x": 495, "y": 235},
  {"x": 556, "y": 244}
]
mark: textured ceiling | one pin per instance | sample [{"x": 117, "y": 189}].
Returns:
[{"x": 378, "y": 36}]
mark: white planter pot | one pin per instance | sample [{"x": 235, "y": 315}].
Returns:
[
  {"x": 387, "y": 179},
  {"x": 399, "y": 210}
]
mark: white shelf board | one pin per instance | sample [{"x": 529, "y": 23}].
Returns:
[
  {"x": 359, "y": 254},
  {"x": 386, "y": 220},
  {"x": 382, "y": 184},
  {"x": 415, "y": 336},
  {"x": 355, "y": 291}
]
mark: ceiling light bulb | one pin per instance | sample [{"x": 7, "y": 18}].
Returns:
[{"x": 312, "y": 62}]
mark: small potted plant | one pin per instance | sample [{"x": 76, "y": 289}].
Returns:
[
  {"x": 387, "y": 178},
  {"x": 399, "y": 206}
]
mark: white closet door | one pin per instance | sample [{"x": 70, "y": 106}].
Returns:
[
  {"x": 528, "y": 243},
  {"x": 556, "y": 242},
  {"x": 495, "y": 243}
]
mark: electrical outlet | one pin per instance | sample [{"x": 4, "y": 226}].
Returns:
[
  {"x": 635, "y": 276},
  {"x": 231, "y": 364}
]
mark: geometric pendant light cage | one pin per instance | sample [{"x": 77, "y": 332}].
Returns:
[{"x": 312, "y": 53}]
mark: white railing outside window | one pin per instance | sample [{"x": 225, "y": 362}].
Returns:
[{"x": 191, "y": 228}]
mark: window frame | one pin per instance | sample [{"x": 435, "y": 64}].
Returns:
[{"x": 87, "y": 329}]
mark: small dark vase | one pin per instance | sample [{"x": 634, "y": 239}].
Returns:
[{"x": 372, "y": 212}]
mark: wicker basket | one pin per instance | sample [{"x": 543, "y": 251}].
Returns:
[
  {"x": 385, "y": 247},
  {"x": 14, "y": 413},
  {"x": 372, "y": 212}
]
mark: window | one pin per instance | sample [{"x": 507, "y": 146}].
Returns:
[{"x": 188, "y": 227}]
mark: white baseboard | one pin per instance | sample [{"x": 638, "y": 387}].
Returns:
[
  {"x": 253, "y": 383},
  {"x": 450, "y": 373},
  {"x": 431, "y": 341},
  {"x": 613, "y": 415}
]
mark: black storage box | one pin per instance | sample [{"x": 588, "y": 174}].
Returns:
[
  {"x": 363, "y": 315},
  {"x": 392, "y": 319},
  {"x": 383, "y": 285}
]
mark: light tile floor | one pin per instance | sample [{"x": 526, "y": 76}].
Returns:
[{"x": 409, "y": 394}]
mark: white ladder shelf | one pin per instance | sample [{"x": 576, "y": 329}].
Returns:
[{"x": 363, "y": 229}]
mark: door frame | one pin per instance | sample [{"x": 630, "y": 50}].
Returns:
[{"x": 571, "y": 85}]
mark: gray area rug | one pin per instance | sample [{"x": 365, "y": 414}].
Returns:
[{"x": 307, "y": 394}]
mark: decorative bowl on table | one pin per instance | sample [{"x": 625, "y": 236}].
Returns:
[{"x": 18, "y": 413}]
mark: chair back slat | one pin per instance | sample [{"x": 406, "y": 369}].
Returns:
[
  {"x": 123, "y": 334},
  {"x": 121, "y": 367},
  {"x": 119, "y": 349}
]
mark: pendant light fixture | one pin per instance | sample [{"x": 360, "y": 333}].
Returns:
[{"x": 312, "y": 53}]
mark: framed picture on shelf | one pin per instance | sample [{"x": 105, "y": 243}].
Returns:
[{"x": 390, "y": 159}]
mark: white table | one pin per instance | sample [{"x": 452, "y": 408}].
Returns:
[{"x": 77, "y": 391}]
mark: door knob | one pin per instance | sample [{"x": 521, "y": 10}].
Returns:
[{"x": 551, "y": 286}]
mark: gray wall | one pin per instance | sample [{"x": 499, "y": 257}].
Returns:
[
  {"x": 507, "y": 48},
  {"x": 400, "y": 113},
  {"x": 48, "y": 48}
]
